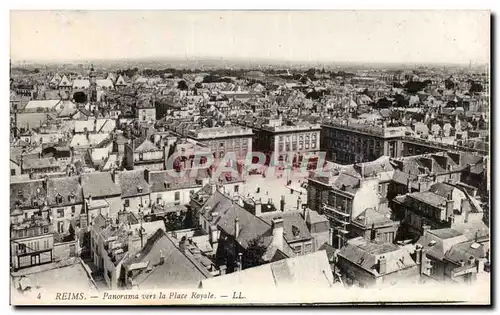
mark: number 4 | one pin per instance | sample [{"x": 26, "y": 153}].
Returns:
[{"x": 39, "y": 296}]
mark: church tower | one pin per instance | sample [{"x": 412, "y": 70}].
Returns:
[{"x": 93, "y": 85}]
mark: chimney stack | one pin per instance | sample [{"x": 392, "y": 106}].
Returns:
[
  {"x": 277, "y": 226},
  {"x": 222, "y": 269},
  {"x": 425, "y": 229},
  {"x": 449, "y": 206},
  {"x": 162, "y": 257},
  {"x": 147, "y": 176},
  {"x": 258, "y": 208},
  {"x": 282, "y": 203},
  {"x": 330, "y": 236},
  {"x": 236, "y": 227},
  {"x": 115, "y": 176},
  {"x": 382, "y": 265}
]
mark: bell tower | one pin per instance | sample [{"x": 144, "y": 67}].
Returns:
[{"x": 93, "y": 85}]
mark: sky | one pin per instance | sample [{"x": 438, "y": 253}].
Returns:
[{"x": 293, "y": 36}]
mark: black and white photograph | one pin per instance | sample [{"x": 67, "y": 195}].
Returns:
[{"x": 234, "y": 157}]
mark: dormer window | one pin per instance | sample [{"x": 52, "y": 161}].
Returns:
[
  {"x": 72, "y": 197},
  {"x": 35, "y": 203},
  {"x": 167, "y": 185},
  {"x": 59, "y": 199},
  {"x": 139, "y": 189}
]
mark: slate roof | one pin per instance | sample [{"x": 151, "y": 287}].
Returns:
[
  {"x": 65, "y": 187},
  {"x": 311, "y": 270},
  {"x": 39, "y": 163},
  {"x": 131, "y": 182},
  {"x": 365, "y": 254},
  {"x": 99, "y": 184},
  {"x": 159, "y": 178},
  {"x": 177, "y": 271},
  {"x": 23, "y": 193},
  {"x": 251, "y": 227},
  {"x": 294, "y": 226}
]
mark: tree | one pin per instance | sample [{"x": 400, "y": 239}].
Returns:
[
  {"x": 174, "y": 222},
  {"x": 252, "y": 256},
  {"x": 182, "y": 85}
]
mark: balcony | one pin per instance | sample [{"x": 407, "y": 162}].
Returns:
[{"x": 336, "y": 211}]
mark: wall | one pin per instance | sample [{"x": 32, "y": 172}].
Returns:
[
  {"x": 134, "y": 203},
  {"x": 168, "y": 197},
  {"x": 63, "y": 250},
  {"x": 66, "y": 218}
]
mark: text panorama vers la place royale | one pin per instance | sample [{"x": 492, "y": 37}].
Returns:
[{"x": 174, "y": 295}]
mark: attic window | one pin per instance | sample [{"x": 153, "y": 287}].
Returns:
[
  {"x": 59, "y": 199},
  {"x": 167, "y": 185},
  {"x": 139, "y": 189},
  {"x": 72, "y": 197},
  {"x": 432, "y": 243},
  {"x": 295, "y": 231}
]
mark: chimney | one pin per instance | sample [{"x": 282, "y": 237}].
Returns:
[
  {"x": 330, "y": 236},
  {"x": 382, "y": 265},
  {"x": 236, "y": 227},
  {"x": 425, "y": 228},
  {"x": 214, "y": 187},
  {"x": 282, "y": 203},
  {"x": 462, "y": 262},
  {"x": 277, "y": 225},
  {"x": 147, "y": 176},
  {"x": 463, "y": 210},
  {"x": 115, "y": 176},
  {"x": 418, "y": 254},
  {"x": 449, "y": 206},
  {"x": 162, "y": 257},
  {"x": 222, "y": 269},
  {"x": 197, "y": 253},
  {"x": 182, "y": 244},
  {"x": 239, "y": 262},
  {"x": 258, "y": 208},
  {"x": 408, "y": 184}
]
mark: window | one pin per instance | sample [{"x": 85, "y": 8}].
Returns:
[
  {"x": 280, "y": 147},
  {"x": 313, "y": 145},
  {"x": 236, "y": 188},
  {"x": 297, "y": 249},
  {"x": 59, "y": 199},
  {"x": 22, "y": 248},
  {"x": 314, "y": 136},
  {"x": 126, "y": 203},
  {"x": 177, "y": 196},
  {"x": 301, "y": 137},
  {"x": 46, "y": 229},
  {"x": 12, "y": 172},
  {"x": 221, "y": 144},
  {"x": 60, "y": 213},
  {"x": 307, "y": 145},
  {"x": 281, "y": 138}
]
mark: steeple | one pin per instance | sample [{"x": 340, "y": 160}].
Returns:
[{"x": 93, "y": 85}]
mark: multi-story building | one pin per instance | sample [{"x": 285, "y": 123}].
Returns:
[
  {"x": 281, "y": 140},
  {"x": 31, "y": 233},
  {"x": 348, "y": 142},
  {"x": 222, "y": 140}
]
